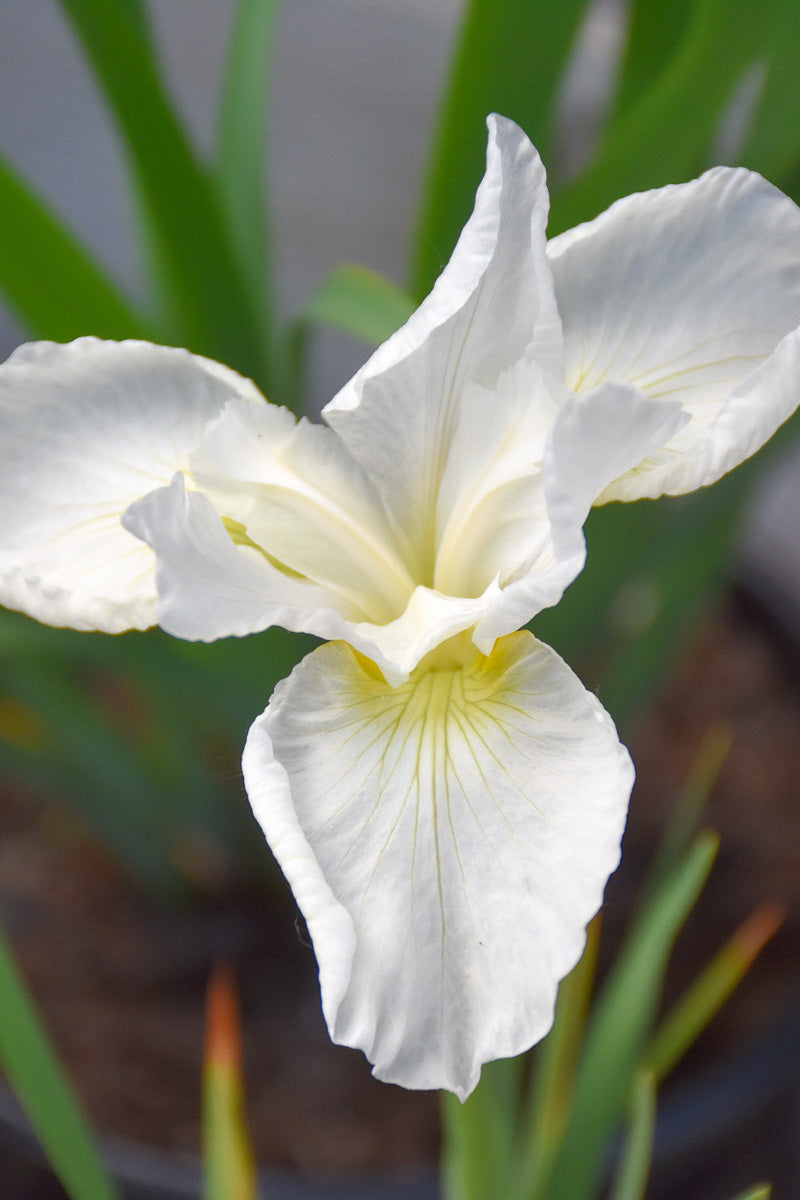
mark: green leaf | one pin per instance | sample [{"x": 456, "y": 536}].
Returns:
[
  {"x": 773, "y": 145},
  {"x": 229, "y": 1171},
  {"x": 630, "y": 1182},
  {"x": 140, "y": 737},
  {"x": 553, "y": 1077},
  {"x": 361, "y": 303},
  {"x": 621, "y": 1024},
  {"x": 479, "y": 1134},
  {"x": 51, "y": 282},
  {"x": 39, "y": 1083},
  {"x": 665, "y": 136},
  {"x": 655, "y": 31},
  {"x": 686, "y": 815},
  {"x": 709, "y": 991},
  {"x": 651, "y": 567},
  {"x": 137, "y": 10},
  {"x": 100, "y": 770},
  {"x": 208, "y": 301},
  {"x": 242, "y": 139},
  {"x": 681, "y": 571},
  {"x": 759, "y": 1191},
  {"x": 509, "y": 59}
]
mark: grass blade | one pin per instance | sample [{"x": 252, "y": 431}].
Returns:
[
  {"x": 555, "y": 1062},
  {"x": 479, "y": 1134},
  {"x": 706, "y": 995},
  {"x": 772, "y": 146},
  {"x": 241, "y": 142},
  {"x": 78, "y": 297},
  {"x": 621, "y": 1024},
  {"x": 509, "y": 59},
  {"x": 687, "y": 813},
  {"x": 228, "y": 1163},
  {"x": 40, "y": 1085},
  {"x": 674, "y": 551},
  {"x": 207, "y": 301},
  {"x": 634, "y": 1168},
  {"x": 759, "y": 1191},
  {"x": 138, "y": 12},
  {"x": 655, "y": 32},
  {"x": 361, "y": 303},
  {"x": 665, "y": 136}
]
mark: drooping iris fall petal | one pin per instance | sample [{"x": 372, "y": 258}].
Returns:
[{"x": 447, "y": 841}]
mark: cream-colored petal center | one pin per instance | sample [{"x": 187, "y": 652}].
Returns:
[{"x": 292, "y": 492}]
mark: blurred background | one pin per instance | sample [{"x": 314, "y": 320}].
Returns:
[
  {"x": 128, "y": 858},
  {"x": 353, "y": 97}
]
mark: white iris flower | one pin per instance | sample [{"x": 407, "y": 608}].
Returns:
[{"x": 444, "y": 797}]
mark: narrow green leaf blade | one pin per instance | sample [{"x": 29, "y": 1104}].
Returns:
[
  {"x": 759, "y": 1191},
  {"x": 695, "y": 549},
  {"x": 630, "y": 1182},
  {"x": 671, "y": 554},
  {"x": 553, "y": 1077},
  {"x": 361, "y": 303},
  {"x": 622, "y": 1022},
  {"x": 51, "y": 282},
  {"x": 509, "y": 60},
  {"x": 704, "y": 998},
  {"x": 687, "y": 813},
  {"x": 137, "y": 10},
  {"x": 39, "y": 1082},
  {"x": 242, "y": 139},
  {"x": 208, "y": 302},
  {"x": 478, "y": 1154},
  {"x": 665, "y": 136},
  {"x": 773, "y": 146},
  {"x": 228, "y": 1163},
  {"x": 655, "y": 32}
]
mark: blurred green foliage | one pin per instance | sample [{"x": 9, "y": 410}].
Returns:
[
  {"x": 546, "y": 1126},
  {"x": 141, "y": 733},
  {"x": 651, "y": 566},
  {"x": 33, "y": 1070}
]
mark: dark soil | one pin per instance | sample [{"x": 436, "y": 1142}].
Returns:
[
  {"x": 122, "y": 985},
  {"x": 741, "y": 674}
]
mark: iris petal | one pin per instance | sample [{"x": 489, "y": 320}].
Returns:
[
  {"x": 491, "y": 308},
  {"x": 455, "y": 833},
  {"x": 307, "y": 502},
  {"x": 85, "y": 429},
  {"x": 683, "y": 292},
  {"x": 594, "y": 438},
  {"x": 208, "y": 586}
]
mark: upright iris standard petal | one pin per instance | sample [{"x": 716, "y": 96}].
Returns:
[
  {"x": 404, "y": 522},
  {"x": 683, "y": 292},
  {"x": 491, "y": 309},
  {"x": 447, "y": 840},
  {"x": 593, "y": 438},
  {"x": 84, "y": 430}
]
